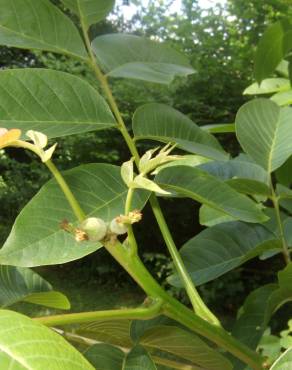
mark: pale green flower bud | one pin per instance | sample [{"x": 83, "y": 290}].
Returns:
[
  {"x": 117, "y": 227},
  {"x": 95, "y": 228}
]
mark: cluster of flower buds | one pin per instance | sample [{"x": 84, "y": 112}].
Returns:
[
  {"x": 39, "y": 142},
  {"x": 95, "y": 229},
  {"x": 147, "y": 164}
]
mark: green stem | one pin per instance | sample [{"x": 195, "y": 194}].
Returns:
[
  {"x": 196, "y": 300},
  {"x": 141, "y": 313},
  {"x": 58, "y": 176},
  {"x": 131, "y": 236},
  {"x": 199, "y": 306},
  {"x": 275, "y": 200},
  {"x": 66, "y": 190},
  {"x": 177, "y": 311}
]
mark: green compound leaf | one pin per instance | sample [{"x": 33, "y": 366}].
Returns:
[
  {"x": 37, "y": 238},
  {"x": 26, "y": 344},
  {"x": 264, "y": 131},
  {"x": 272, "y": 48},
  {"x": 134, "y": 57},
  {"x": 165, "y": 124},
  {"x": 22, "y": 284},
  {"x": 221, "y": 248},
  {"x": 186, "y": 345},
  {"x": 30, "y": 24},
  {"x": 197, "y": 184},
  {"x": 91, "y": 11},
  {"x": 55, "y": 103}
]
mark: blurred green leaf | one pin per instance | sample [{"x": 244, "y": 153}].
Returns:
[
  {"x": 130, "y": 56},
  {"x": 268, "y": 86},
  {"x": 90, "y": 11},
  {"x": 272, "y": 48},
  {"x": 105, "y": 357},
  {"x": 284, "y": 362}
]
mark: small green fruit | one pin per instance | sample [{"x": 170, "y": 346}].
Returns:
[
  {"x": 95, "y": 228},
  {"x": 118, "y": 228}
]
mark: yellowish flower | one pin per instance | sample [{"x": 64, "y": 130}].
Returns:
[{"x": 9, "y": 137}]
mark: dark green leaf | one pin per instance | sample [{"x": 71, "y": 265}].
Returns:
[
  {"x": 22, "y": 284},
  {"x": 209, "y": 216},
  {"x": 116, "y": 332},
  {"x": 272, "y": 48},
  {"x": 205, "y": 188},
  {"x": 244, "y": 176},
  {"x": 283, "y": 174},
  {"x": 37, "y": 238},
  {"x": 163, "y": 123},
  {"x": 105, "y": 357},
  {"x": 221, "y": 248},
  {"x": 186, "y": 345},
  {"x": 55, "y": 103},
  {"x": 138, "y": 358},
  {"x": 28, "y": 24},
  {"x": 130, "y": 56}
]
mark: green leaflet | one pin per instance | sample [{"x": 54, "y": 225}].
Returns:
[
  {"x": 272, "y": 48},
  {"x": 138, "y": 358},
  {"x": 264, "y": 131},
  {"x": 241, "y": 174},
  {"x": 186, "y": 345},
  {"x": 268, "y": 86},
  {"x": 55, "y": 103},
  {"x": 165, "y": 124},
  {"x": 134, "y": 57},
  {"x": 23, "y": 284},
  {"x": 105, "y": 356},
  {"x": 197, "y": 184},
  {"x": 28, "y": 24},
  {"x": 221, "y": 248}
]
